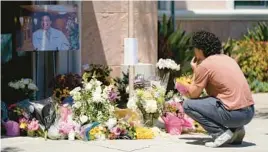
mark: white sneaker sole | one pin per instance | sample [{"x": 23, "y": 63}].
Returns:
[{"x": 222, "y": 139}]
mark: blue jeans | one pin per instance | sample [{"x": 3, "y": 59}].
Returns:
[{"x": 210, "y": 113}]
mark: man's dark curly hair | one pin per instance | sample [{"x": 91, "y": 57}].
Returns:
[{"x": 208, "y": 42}]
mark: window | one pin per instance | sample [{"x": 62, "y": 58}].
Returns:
[
  {"x": 163, "y": 5},
  {"x": 251, "y": 4}
]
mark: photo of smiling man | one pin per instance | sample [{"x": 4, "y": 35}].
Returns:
[{"x": 49, "y": 39}]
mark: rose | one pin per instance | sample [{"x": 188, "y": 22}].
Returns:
[
  {"x": 111, "y": 123},
  {"x": 150, "y": 106},
  {"x": 83, "y": 119},
  {"x": 33, "y": 125},
  {"x": 116, "y": 131}
]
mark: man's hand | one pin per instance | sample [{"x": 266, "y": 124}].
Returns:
[{"x": 194, "y": 63}]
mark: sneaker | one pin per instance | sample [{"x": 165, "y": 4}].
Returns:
[
  {"x": 222, "y": 139},
  {"x": 238, "y": 136}
]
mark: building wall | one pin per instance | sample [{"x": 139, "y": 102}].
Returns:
[
  {"x": 201, "y": 5},
  {"x": 222, "y": 28},
  {"x": 105, "y": 25}
]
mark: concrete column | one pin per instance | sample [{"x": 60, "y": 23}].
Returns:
[{"x": 105, "y": 25}]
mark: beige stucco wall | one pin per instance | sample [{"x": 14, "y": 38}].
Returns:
[
  {"x": 201, "y": 5},
  {"x": 223, "y": 29},
  {"x": 105, "y": 25}
]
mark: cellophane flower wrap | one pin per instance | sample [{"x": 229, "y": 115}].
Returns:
[
  {"x": 149, "y": 101},
  {"x": 93, "y": 102}
]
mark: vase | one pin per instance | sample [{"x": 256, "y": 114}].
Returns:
[
  {"x": 149, "y": 120},
  {"x": 164, "y": 75}
]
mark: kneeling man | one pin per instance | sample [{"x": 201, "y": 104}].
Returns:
[{"x": 230, "y": 105}]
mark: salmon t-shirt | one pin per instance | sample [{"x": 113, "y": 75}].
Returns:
[{"x": 222, "y": 78}]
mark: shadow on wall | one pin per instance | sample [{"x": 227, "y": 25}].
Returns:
[{"x": 92, "y": 50}]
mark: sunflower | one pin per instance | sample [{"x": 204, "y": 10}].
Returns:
[
  {"x": 57, "y": 93},
  {"x": 199, "y": 128}
]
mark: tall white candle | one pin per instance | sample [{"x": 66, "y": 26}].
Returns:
[{"x": 130, "y": 51}]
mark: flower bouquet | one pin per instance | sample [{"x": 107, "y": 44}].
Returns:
[
  {"x": 25, "y": 86},
  {"x": 120, "y": 129},
  {"x": 99, "y": 72},
  {"x": 150, "y": 102},
  {"x": 31, "y": 127},
  {"x": 62, "y": 85},
  {"x": 165, "y": 67},
  {"x": 93, "y": 102},
  {"x": 181, "y": 84}
]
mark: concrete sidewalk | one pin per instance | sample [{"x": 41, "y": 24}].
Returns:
[{"x": 256, "y": 140}]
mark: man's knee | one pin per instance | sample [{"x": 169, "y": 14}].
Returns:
[{"x": 187, "y": 106}]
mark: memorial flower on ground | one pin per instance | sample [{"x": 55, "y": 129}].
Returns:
[
  {"x": 25, "y": 86},
  {"x": 92, "y": 102},
  {"x": 149, "y": 101}
]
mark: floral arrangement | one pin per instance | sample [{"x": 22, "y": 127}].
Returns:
[
  {"x": 167, "y": 64},
  {"x": 93, "y": 102},
  {"x": 30, "y": 127},
  {"x": 120, "y": 129},
  {"x": 150, "y": 102},
  {"x": 99, "y": 72},
  {"x": 167, "y": 68},
  {"x": 25, "y": 86},
  {"x": 62, "y": 85},
  {"x": 122, "y": 86}
]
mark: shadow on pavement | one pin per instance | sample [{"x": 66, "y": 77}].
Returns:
[
  {"x": 201, "y": 141},
  {"x": 11, "y": 149},
  {"x": 262, "y": 115}
]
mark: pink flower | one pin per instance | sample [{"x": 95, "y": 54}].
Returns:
[
  {"x": 33, "y": 125},
  {"x": 23, "y": 120},
  {"x": 65, "y": 127},
  {"x": 181, "y": 88},
  {"x": 116, "y": 131}
]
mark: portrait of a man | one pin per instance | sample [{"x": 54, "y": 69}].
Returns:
[{"x": 48, "y": 38}]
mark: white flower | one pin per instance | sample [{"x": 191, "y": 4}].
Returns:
[
  {"x": 88, "y": 86},
  {"x": 111, "y": 109},
  {"x": 75, "y": 90},
  {"x": 167, "y": 64},
  {"x": 150, "y": 106},
  {"x": 77, "y": 96},
  {"x": 83, "y": 118},
  {"x": 100, "y": 137},
  {"x": 11, "y": 84},
  {"x": 26, "y": 81},
  {"x": 77, "y": 104},
  {"x": 96, "y": 96},
  {"x": 111, "y": 123},
  {"x": 32, "y": 86},
  {"x": 131, "y": 104},
  {"x": 21, "y": 85},
  {"x": 98, "y": 83}
]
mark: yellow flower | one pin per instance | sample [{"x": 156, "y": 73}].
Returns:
[
  {"x": 23, "y": 125},
  {"x": 144, "y": 133},
  {"x": 199, "y": 128}
]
